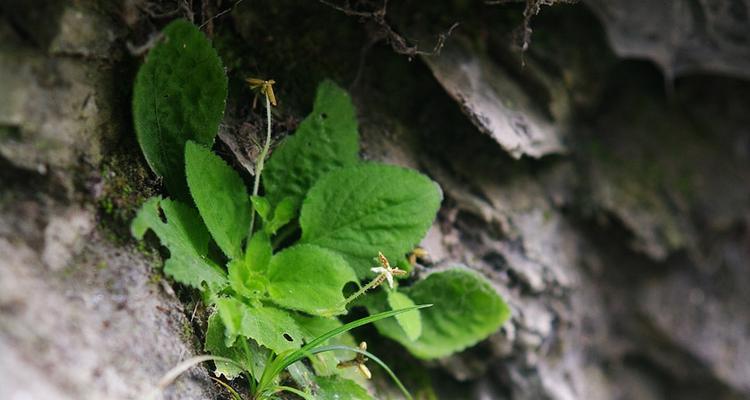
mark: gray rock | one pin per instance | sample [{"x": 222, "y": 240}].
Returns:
[
  {"x": 494, "y": 102},
  {"x": 682, "y": 36}
]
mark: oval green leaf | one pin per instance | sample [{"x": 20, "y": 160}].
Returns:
[
  {"x": 325, "y": 140},
  {"x": 269, "y": 326},
  {"x": 221, "y": 197},
  {"x": 466, "y": 309},
  {"x": 179, "y": 95},
  {"x": 410, "y": 322},
  {"x": 361, "y": 210},
  {"x": 309, "y": 278}
]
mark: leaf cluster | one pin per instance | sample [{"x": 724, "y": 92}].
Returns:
[{"x": 276, "y": 303}]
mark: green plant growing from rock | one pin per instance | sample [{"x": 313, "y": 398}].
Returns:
[{"x": 276, "y": 300}]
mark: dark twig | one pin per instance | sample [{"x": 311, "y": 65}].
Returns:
[
  {"x": 220, "y": 14},
  {"x": 532, "y": 8},
  {"x": 383, "y": 29}
]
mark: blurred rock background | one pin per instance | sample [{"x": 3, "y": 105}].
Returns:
[{"x": 600, "y": 177}]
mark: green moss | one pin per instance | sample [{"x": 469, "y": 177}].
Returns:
[
  {"x": 155, "y": 278},
  {"x": 125, "y": 185}
]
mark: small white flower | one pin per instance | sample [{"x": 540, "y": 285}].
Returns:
[{"x": 385, "y": 270}]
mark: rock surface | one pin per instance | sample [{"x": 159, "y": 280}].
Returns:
[
  {"x": 610, "y": 212},
  {"x": 83, "y": 314},
  {"x": 682, "y": 36}
]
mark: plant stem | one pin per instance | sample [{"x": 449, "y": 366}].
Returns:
[
  {"x": 259, "y": 162},
  {"x": 373, "y": 283}
]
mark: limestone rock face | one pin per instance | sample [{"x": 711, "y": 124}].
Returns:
[
  {"x": 606, "y": 201},
  {"x": 82, "y": 313}
]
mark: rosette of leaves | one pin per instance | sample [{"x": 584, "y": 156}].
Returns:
[{"x": 271, "y": 296}]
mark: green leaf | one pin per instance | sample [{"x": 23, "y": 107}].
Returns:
[
  {"x": 259, "y": 252},
  {"x": 247, "y": 353},
  {"x": 335, "y": 388},
  {"x": 221, "y": 197},
  {"x": 269, "y": 326},
  {"x": 466, "y": 310},
  {"x": 327, "y": 139},
  {"x": 184, "y": 234},
  {"x": 284, "y": 212},
  {"x": 367, "y": 208},
  {"x": 310, "y": 279},
  {"x": 410, "y": 322},
  {"x": 179, "y": 95},
  {"x": 262, "y": 207},
  {"x": 245, "y": 281}
]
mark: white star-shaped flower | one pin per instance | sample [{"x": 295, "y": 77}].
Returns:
[{"x": 386, "y": 271}]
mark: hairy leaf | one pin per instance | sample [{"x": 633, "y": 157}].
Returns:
[
  {"x": 309, "y": 278},
  {"x": 269, "y": 326},
  {"x": 184, "y": 234},
  {"x": 361, "y": 210},
  {"x": 259, "y": 252},
  {"x": 335, "y": 388},
  {"x": 221, "y": 197},
  {"x": 410, "y": 322},
  {"x": 262, "y": 207},
  {"x": 247, "y": 282},
  {"x": 284, "y": 212},
  {"x": 327, "y": 139},
  {"x": 244, "y": 351},
  {"x": 466, "y": 309},
  {"x": 179, "y": 94}
]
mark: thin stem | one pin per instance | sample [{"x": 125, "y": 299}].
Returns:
[
  {"x": 180, "y": 368},
  {"x": 259, "y": 166},
  {"x": 373, "y": 283}
]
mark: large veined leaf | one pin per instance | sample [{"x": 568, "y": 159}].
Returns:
[
  {"x": 271, "y": 327},
  {"x": 221, "y": 197},
  {"x": 327, "y": 139},
  {"x": 466, "y": 309},
  {"x": 309, "y": 278},
  {"x": 361, "y": 210},
  {"x": 179, "y": 95},
  {"x": 184, "y": 234},
  {"x": 244, "y": 351}
]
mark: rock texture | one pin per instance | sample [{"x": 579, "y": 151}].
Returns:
[
  {"x": 681, "y": 36},
  {"x": 607, "y": 201},
  {"x": 83, "y": 314}
]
